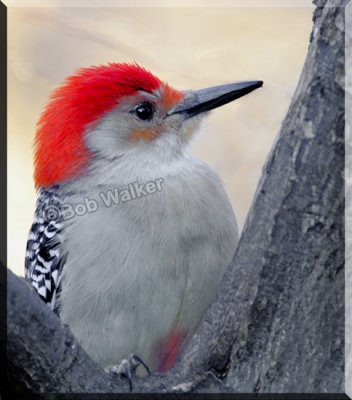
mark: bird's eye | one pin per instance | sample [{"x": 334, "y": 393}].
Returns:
[{"x": 144, "y": 111}]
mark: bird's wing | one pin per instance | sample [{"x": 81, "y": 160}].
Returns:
[{"x": 45, "y": 257}]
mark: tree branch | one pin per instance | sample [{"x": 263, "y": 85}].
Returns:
[{"x": 43, "y": 355}]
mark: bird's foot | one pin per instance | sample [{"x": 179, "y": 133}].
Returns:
[{"x": 127, "y": 367}]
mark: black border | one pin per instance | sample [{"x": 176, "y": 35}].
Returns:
[
  {"x": 3, "y": 190},
  {"x": 3, "y": 131},
  {"x": 198, "y": 396}
]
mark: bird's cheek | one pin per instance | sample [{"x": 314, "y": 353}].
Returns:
[{"x": 148, "y": 135}]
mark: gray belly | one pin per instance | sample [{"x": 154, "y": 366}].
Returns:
[{"x": 130, "y": 281}]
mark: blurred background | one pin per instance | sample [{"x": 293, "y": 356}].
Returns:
[{"x": 190, "y": 48}]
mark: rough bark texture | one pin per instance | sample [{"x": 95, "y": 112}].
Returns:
[
  {"x": 278, "y": 322},
  {"x": 295, "y": 337},
  {"x": 43, "y": 355}
]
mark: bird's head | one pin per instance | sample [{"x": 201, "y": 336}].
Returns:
[{"x": 119, "y": 111}]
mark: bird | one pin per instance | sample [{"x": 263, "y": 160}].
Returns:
[{"x": 131, "y": 234}]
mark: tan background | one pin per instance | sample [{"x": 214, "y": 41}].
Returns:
[{"x": 191, "y": 47}]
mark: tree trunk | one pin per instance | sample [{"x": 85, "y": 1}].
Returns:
[{"x": 277, "y": 324}]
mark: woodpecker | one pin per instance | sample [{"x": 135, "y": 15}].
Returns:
[{"x": 131, "y": 234}]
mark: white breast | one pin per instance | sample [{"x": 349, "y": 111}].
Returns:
[{"x": 137, "y": 270}]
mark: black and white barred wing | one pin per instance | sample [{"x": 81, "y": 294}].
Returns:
[{"x": 45, "y": 258}]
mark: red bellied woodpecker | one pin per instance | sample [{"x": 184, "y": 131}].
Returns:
[{"x": 132, "y": 234}]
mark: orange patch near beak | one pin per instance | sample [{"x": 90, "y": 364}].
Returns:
[
  {"x": 147, "y": 135},
  {"x": 171, "y": 96}
]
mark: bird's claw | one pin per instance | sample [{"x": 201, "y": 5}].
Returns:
[
  {"x": 135, "y": 361},
  {"x": 127, "y": 367}
]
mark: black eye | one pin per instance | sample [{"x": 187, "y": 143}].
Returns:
[{"x": 144, "y": 111}]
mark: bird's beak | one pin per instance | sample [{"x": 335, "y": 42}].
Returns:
[{"x": 198, "y": 101}]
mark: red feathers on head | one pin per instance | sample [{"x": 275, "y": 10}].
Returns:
[{"x": 60, "y": 151}]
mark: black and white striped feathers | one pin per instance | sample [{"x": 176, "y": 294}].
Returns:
[{"x": 44, "y": 256}]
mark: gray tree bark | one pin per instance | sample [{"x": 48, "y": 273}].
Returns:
[{"x": 277, "y": 324}]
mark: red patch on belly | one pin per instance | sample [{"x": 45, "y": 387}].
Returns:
[{"x": 169, "y": 349}]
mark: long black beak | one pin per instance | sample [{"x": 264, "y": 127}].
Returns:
[{"x": 198, "y": 101}]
